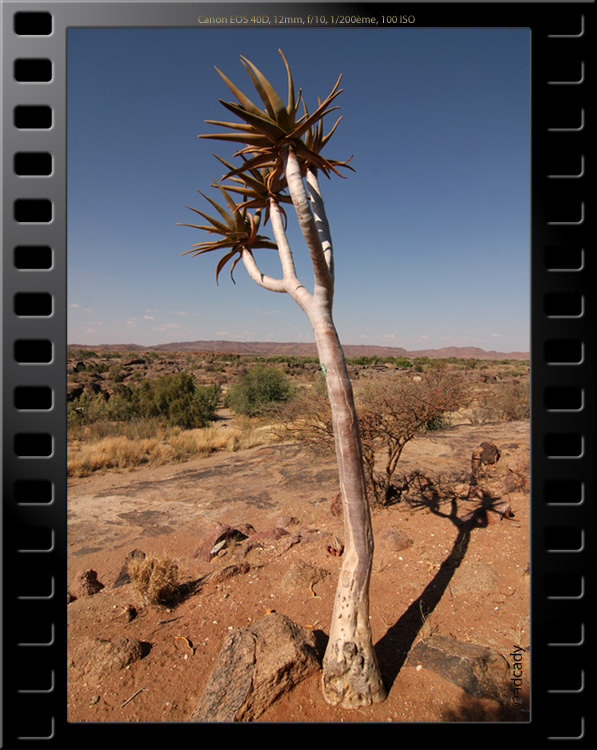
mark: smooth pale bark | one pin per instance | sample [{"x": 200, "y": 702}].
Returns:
[{"x": 350, "y": 675}]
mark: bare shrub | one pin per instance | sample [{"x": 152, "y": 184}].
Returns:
[
  {"x": 392, "y": 411},
  {"x": 156, "y": 579}
]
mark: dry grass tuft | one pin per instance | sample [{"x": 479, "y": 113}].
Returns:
[
  {"x": 156, "y": 579},
  {"x": 167, "y": 445}
]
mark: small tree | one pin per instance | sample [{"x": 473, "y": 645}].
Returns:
[
  {"x": 281, "y": 159},
  {"x": 392, "y": 411}
]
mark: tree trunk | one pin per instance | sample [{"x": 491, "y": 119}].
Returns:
[{"x": 351, "y": 674}]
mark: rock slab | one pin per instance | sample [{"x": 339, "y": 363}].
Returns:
[
  {"x": 480, "y": 671},
  {"x": 255, "y": 666}
]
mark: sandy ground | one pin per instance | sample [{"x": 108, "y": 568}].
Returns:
[{"x": 167, "y": 510}]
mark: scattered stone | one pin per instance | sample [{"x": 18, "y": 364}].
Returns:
[
  {"x": 246, "y": 546},
  {"x": 486, "y": 453},
  {"x": 256, "y": 665},
  {"x": 217, "y": 532},
  {"x": 290, "y": 542},
  {"x": 496, "y": 511},
  {"x": 394, "y": 540},
  {"x": 85, "y": 583},
  {"x": 246, "y": 528},
  {"x": 300, "y": 575},
  {"x": 94, "y": 699},
  {"x": 270, "y": 535},
  {"x": 124, "y": 575},
  {"x": 218, "y": 576},
  {"x": 311, "y": 535},
  {"x": 484, "y": 458},
  {"x": 95, "y": 658},
  {"x": 480, "y": 671},
  {"x": 473, "y": 577},
  {"x": 129, "y": 613},
  {"x": 285, "y": 521},
  {"x": 336, "y": 506}
]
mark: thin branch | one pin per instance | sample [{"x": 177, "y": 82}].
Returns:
[
  {"x": 128, "y": 700},
  {"x": 293, "y": 286},
  {"x": 267, "y": 282},
  {"x": 284, "y": 251}
]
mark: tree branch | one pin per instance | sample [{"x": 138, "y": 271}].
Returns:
[
  {"x": 324, "y": 285},
  {"x": 291, "y": 282},
  {"x": 321, "y": 220},
  {"x": 267, "y": 282}
]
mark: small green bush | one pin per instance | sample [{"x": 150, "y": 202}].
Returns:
[{"x": 257, "y": 389}]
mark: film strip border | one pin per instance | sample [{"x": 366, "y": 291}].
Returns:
[
  {"x": 563, "y": 397},
  {"x": 34, "y": 386},
  {"x": 34, "y": 324}
]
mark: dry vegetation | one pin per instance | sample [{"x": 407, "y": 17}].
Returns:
[
  {"x": 88, "y": 453},
  {"x": 110, "y": 427},
  {"x": 156, "y": 578}
]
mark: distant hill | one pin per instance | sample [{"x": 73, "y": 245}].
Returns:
[{"x": 294, "y": 349}]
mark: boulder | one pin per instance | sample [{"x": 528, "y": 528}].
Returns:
[
  {"x": 480, "y": 671},
  {"x": 85, "y": 583},
  {"x": 256, "y": 665}
]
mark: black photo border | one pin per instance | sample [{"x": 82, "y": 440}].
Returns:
[{"x": 34, "y": 380}]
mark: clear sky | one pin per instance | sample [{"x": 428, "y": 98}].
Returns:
[{"x": 431, "y": 233}]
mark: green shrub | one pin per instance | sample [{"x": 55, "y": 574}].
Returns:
[
  {"x": 172, "y": 399},
  {"x": 257, "y": 389},
  {"x": 176, "y": 400}
]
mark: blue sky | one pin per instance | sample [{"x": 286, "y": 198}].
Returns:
[{"x": 431, "y": 233}]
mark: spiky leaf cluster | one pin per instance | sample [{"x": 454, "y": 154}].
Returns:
[
  {"x": 264, "y": 132},
  {"x": 238, "y": 230}
]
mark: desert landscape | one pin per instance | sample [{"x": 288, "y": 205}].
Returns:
[{"x": 243, "y": 521}]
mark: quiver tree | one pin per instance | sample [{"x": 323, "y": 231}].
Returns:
[{"x": 280, "y": 162}]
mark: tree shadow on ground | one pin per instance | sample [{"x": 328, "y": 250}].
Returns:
[
  {"x": 393, "y": 648},
  {"x": 472, "y": 709}
]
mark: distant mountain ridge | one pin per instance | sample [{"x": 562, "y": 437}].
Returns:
[{"x": 296, "y": 349}]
